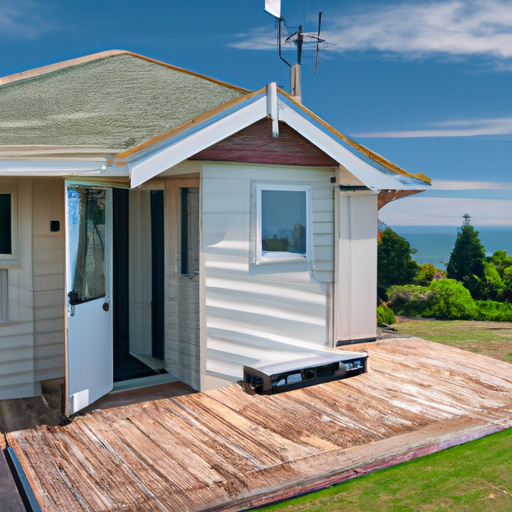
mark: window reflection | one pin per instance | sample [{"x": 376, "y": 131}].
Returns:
[
  {"x": 86, "y": 214},
  {"x": 283, "y": 219}
]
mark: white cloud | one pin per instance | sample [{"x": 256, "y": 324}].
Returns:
[
  {"x": 450, "y": 27},
  {"x": 467, "y": 128},
  {"x": 24, "y": 19},
  {"x": 259, "y": 38},
  {"x": 470, "y": 185},
  {"x": 437, "y": 211},
  {"x": 455, "y": 27}
]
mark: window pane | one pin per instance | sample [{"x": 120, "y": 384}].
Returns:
[
  {"x": 5, "y": 224},
  {"x": 283, "y": 218},
  {"x": 86, "y": 214},
  {"x": 189, "y": 231}
]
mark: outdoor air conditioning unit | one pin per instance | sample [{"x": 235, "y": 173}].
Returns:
[{"x": 266, "y": 379}]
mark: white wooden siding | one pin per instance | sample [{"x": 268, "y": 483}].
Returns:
[
  {"x": 356, "y": 290},
  {"x": 272, "y": 310},
  {"x": 17, "y": 372},
  {"x": 182, "y": 336},
  {"x": 49, "y": 293},
  {"x": 32, "y": 341}
]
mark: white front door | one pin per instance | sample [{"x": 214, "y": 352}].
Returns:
[{"x": 89, "y": 368}]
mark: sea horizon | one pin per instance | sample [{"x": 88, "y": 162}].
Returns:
[{"x": 434, "y": 244}]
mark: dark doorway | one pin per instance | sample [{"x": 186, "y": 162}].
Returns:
[
  {"x": 120, "y": 293},
  {"x": 126, "y": 366},
  {"x": 157, "y": 273}
]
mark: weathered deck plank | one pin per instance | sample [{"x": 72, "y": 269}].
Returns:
[{"x": 226, "y": 450}]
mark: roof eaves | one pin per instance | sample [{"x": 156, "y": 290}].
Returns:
[
  {"x": 382, "y": 162},
  {"x": 191, "y": 126},
  {"x": 31, "y": 152},
  {"x": 195, "y": 138}
]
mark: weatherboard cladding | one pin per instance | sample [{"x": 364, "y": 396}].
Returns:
[
  {"x": 112, "y": 103},
  {"x": 257, "y": 313},
  {"x": 256, "y": 144}
]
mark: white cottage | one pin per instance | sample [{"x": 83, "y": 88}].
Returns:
[{"x": 158, "y": 224}]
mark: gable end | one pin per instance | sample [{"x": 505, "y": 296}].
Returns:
[{"x": 255, "y": 144}]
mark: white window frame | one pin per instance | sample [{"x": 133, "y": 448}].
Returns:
[
  {"x": 282, "y": 256},
  {"x": 13, "y": 255}
]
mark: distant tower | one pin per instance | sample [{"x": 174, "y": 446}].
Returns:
[{"x": 466, "y": 218}]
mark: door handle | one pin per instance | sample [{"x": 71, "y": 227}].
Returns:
[{"x": 106, "y": 306}]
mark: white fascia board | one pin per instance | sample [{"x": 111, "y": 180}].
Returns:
[
  {"x": 375, "y": 179},
  {"x": 154, "y": 164},
  {"x": 95, "y": 167}
]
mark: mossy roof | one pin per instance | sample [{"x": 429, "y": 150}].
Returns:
[{"x": 113, "y": 102}]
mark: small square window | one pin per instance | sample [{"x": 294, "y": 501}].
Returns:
[
  {"x": 5, "y": 224},
  {"x": 283, "y": 222}
]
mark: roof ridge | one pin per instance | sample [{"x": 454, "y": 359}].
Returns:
[{"x": 50, "y": 68}]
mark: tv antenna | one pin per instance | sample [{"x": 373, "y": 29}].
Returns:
[{"x": 298, "y": 39}]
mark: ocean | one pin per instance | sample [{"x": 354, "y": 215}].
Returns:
[{"x": 434, "y": 244}]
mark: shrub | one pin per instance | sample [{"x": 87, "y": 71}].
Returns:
[
  {"x": 449, "y": 299},
  {"x": 428, "y": 273},
  {"x": 408, "y": 300},
  {"x": 493, "y": 311},
  {"x": 385, "y": 315},
  {"x": 494, "y": 286}
]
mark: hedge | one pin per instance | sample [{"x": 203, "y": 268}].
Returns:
[{"x": 446, "y": 299}]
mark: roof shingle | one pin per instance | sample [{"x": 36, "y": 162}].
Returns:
[{"x": 111, "y": 103}]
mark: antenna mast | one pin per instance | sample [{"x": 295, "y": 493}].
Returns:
[{"x": 298, "y": 38}]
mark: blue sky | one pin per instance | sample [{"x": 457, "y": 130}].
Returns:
[{"x": 427, "y": 84}]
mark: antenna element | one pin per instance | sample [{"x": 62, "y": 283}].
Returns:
[{"x": 298, "y": 38}]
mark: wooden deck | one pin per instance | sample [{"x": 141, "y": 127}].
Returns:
[{"x": 228, "y": 450}]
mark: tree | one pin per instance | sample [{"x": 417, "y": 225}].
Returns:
[
  {"x": 395, "y": 265},
  {"x": 467, "y": 260},
  {"x": 499, "y": 281},
  {"x": 428, "y": 273}
]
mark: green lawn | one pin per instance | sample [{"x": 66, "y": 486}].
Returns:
[
  {"x": 493, "y": 339},
  {"x": 473, "y": 476},
  {"x": 476, "y": 476}
]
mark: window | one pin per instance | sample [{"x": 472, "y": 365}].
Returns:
[
  {"x": 283, "y": 222},
  {"x": 86, "y": 224},
  {"x": 189, "y": 231},
  {"x": 6, "y": 224}
]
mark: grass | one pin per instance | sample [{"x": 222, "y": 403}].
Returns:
[
  {"x": 473, "y": 476},
  {"x": 476, "y": 476},
  {"x": 493, "y": 339}
]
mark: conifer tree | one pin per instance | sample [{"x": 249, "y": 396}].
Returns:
[
  {"x": 394, "y": 262},
  {"x": 467, "y": 260}
]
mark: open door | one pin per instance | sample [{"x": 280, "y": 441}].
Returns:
[{"x": 89, "y": 365}]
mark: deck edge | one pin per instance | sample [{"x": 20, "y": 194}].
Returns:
[{"x": 254, "y": 502}]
